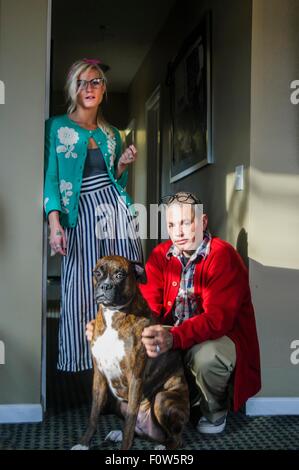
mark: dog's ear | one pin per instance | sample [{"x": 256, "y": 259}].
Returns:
[{"x": 139, "y": 272}]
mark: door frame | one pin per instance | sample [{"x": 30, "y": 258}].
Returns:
[{"x": 45, "y": 226}]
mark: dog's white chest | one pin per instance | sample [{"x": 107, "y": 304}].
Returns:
[{"x": 108, "y": 351}]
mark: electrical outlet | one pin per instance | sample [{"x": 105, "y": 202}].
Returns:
[{"x": 239, "y": 178}]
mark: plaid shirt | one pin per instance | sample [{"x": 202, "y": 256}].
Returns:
[{"x": 187, "y": 302}]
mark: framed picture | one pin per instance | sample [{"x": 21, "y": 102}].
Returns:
[
  {"x": 189, "y": 79},
  {"x": 128, "y": 138}
]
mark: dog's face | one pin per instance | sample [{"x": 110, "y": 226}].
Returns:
[{"x": 115, "y": 279}]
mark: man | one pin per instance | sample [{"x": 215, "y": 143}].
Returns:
[{"x": 199, "y": 284}]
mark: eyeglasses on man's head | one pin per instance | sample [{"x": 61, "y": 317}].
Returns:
[{"x": 182, "y": 197}]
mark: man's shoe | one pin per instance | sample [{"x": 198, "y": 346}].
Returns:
[{"x": 206, "y": 427}]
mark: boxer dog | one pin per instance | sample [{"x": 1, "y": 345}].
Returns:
[{"x": 151, "y": 394}]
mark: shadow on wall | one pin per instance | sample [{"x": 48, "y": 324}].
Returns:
[
  {"x": 237, "y": 214},
  {"x": 275, "y": 299},
  {"x": 236, "y": 217},
  {"x": 242, "y": 246}
]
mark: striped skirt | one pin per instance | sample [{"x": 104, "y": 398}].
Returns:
[{"x": 105, "y": 226}]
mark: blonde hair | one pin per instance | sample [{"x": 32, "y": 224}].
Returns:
[{"x": 71, "y": 89}]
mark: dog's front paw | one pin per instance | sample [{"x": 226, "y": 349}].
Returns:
[
  {"x": 80, "y": 447},
  {"x": 114, "y": 436},
  {"x": 159, "y": 447}
]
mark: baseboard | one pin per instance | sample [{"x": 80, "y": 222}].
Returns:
[
  {"x": 271, "y": 406},
  {"x": 260, "y": 406},
  {"x": 21, "y": 414}
]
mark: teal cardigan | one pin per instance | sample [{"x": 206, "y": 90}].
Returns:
[{"x": 65, "y": 153}]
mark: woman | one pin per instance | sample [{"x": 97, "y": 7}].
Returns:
[{"x": 86, "y": 203}]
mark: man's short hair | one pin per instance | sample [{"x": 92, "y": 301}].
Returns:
[{"x": 182, "y": 198}]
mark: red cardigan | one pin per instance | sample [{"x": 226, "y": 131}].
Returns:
[{"x": 221, "y": 282}]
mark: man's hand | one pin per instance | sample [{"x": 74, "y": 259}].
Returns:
[
  {"x": 156, "y": 340},
  {"x": 89, "y": 330}
]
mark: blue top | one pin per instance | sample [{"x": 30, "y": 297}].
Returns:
[
  {"x": 94, "y": 163},
  {"x": 66, "y": 145}
]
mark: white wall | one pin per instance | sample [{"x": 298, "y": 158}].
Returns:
[
  {"x": 274, "y": 191},
  {"x": 23, "y": 31}
]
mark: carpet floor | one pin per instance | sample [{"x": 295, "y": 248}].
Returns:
[{"x": 68, "y": 399}]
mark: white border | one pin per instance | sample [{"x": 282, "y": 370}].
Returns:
[
  {"x": 272, "y": 406},
  {"x": 10, "y": 414}
]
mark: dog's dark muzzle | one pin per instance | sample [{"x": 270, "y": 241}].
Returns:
[{"x": 104, "y": 293}]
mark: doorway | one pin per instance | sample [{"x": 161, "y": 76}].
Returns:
[{"x": 94, "y": 39}]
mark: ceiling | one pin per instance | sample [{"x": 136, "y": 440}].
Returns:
[{"x": 120, "y": 33}]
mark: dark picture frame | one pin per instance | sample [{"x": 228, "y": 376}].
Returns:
[
  {"x": 129, "y": 139},
  {"x": 129, "y": 132},
  {"x": 189, "y": 79}
]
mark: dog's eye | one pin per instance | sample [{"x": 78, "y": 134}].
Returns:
[
  {"x": 119, "y": 275},
  {"x": 98, "y": 273}
]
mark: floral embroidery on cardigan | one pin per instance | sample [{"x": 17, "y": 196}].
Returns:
[
  {"x": 46, "y": 202},
  {"x": 111, "y": 144},
  {"x": 65, "y": 190},
  {"x": 68, "y": 138}
]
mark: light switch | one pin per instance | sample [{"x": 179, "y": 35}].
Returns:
[{"x": 239, "y": 178}]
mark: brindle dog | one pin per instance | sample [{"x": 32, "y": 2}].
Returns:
[{"x": 151, "y": 394}]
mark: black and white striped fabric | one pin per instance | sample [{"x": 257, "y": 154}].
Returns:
[{"x": 105, "y": 226}]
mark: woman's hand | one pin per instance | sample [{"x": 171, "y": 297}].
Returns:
[
  {"x": 129, "y": 156},
  {"x": 156, "y": 340},
  {"x": 57, "y": 240},
  {"x": 89, "y": 329}
]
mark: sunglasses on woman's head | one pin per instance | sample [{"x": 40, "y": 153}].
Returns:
[{"x": 94, "y": 83}]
